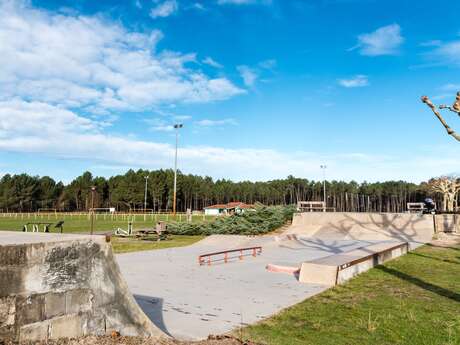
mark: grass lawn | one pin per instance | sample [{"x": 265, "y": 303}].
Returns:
[
  {"x": 412, "y": 300},
  {"x": 126, "y": 245},
  {"x": 80, "y": 223}
]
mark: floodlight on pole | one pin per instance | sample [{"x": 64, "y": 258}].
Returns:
[
  {"x": 145, "y": 193},
  {"x": 177, "y": 126},
  {"x": 323, "y": 167}
]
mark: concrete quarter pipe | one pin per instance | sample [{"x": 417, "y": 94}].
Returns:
[{"x": 54, "y": 286}]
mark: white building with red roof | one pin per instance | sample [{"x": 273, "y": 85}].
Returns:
[{"x": 225, "y": 209}]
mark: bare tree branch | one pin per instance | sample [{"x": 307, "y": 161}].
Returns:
[
  {"x": 449, "y": 130},
  {"x": 455, "y": 107},
  {"x": 442, "y": 106}
]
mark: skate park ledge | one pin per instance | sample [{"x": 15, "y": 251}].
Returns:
[{"x": 337, "y": 269}]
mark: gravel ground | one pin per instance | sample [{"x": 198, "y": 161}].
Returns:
[{"x": 119, "y": 340}]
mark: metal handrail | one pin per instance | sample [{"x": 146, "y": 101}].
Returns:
[{"x": 201, "y": 259}]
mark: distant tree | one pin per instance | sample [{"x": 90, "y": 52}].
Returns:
[
  {"x": 448, "y": 186},
  {"x": 455, "y": 108}
]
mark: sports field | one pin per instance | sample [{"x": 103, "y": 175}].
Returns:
[{"x": 81, "y": 222}]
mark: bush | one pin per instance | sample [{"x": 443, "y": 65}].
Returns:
[{"x": 252, "y": 222}]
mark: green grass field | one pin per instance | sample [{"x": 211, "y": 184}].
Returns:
[
  {"x": 126, "y": 245},
  {"x": 80, "y": 223},
  {"x": 411, "y": 300}
]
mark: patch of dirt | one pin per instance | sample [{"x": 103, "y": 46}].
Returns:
[
  {"x": 445, "y": 240},
  {"x": 116, "y": 339}
]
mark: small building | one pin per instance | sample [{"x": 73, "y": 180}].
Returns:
[{"x": 235, "y": 207}]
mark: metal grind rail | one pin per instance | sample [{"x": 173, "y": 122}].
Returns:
[{"x": 207, "y": 258}]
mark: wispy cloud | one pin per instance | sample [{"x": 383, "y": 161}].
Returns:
[
  {"x": 251, "y": 74},
  {"x": 197, "y": 6},
  {"x": 268, "y": 64},
  {"x": 447, "y": 53},
  {"x": 211, "y": 62},
  {"x": 244, "y": 2},
  {"x": 359, "y": 80},
  {"x": 432, "y": 43},
  {"x": 248, "y": 74},
  {"x": 213, "y": 123},
  {"x": 164, "y": 9},
  {"x": 383, "y": 41}
]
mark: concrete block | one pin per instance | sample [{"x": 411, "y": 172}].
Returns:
[
  {"x": 7, "y": 311},
  {"x": 11, "y": 280},
  {"x": 13, "y": 255},
  {"x": 55, "y": 305},
  {"x": 8, "y": 332},
  {"x": 69, "y": 326},
  {"x": 95, "y": 324},
  {"x": 30, "y": 309},
  {"x": 34, "y": 332},
  {"x": 78, "y": 301},
  {"x": 318, "y": 274}
]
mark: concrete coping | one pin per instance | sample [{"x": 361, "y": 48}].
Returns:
[
  {"x": 357, "y": 254},
  {"x": 8, "y": 238}
]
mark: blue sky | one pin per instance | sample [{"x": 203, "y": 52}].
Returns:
[{"x": 264, "y": 88}]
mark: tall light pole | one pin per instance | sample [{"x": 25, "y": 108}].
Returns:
[
  {"x": 323, "y": 167},
  {"x": 93, "y": 190},
  {"x": 145, "y": 193},
  {"x": 177, "y": 126}
]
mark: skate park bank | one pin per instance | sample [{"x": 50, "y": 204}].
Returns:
[{"x": 181, "y": 297}]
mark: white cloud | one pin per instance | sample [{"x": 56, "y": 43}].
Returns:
[
  {"x": 94, "y": 65},
  {"x": 33, "y": 127},
  {"x": 214, "y": 123},
  {"x": 198, "y": 6},
  {"x": 164, "y": 9},
  {"x": 248, "y": 74},
  {"x": 447, "y": 53},
  {"x": 39, "y": 128},
  {"x": 383, "y": 41},
  {"x": 357, "y": 81},
  {"x": 211, "y": 62}
]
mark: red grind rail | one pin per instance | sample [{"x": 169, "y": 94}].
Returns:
[{"x": 206, "y": 258}]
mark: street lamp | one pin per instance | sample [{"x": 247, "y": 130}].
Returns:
[
  {"x": 93, "y": 190},
  {"x": 323, "y": 167},
  {"x": 177, "y": 126},
  {"x": 145, "y": 193}
]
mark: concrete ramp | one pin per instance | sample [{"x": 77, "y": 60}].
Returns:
[
  {"x": 61, "y": 286},
  {"x": 413, "y": 228}
]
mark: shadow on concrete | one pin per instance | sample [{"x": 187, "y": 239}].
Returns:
[
  {"x": 421, "y": 283},
  {"x": 381, "y": 224},
  {"x": 329, "y": 246},
  {"x": 153, "y": 308}
]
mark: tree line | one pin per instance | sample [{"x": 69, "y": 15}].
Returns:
[{"x": 25, "y": 193}]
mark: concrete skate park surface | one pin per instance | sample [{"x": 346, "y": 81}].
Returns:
[
  {"x": 55, "y": 285},
  {"x": 189, "y": 301}
]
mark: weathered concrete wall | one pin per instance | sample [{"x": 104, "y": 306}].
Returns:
[
  {"x": 447, "y": 222},
  {"x": 67, "y": 286}
]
